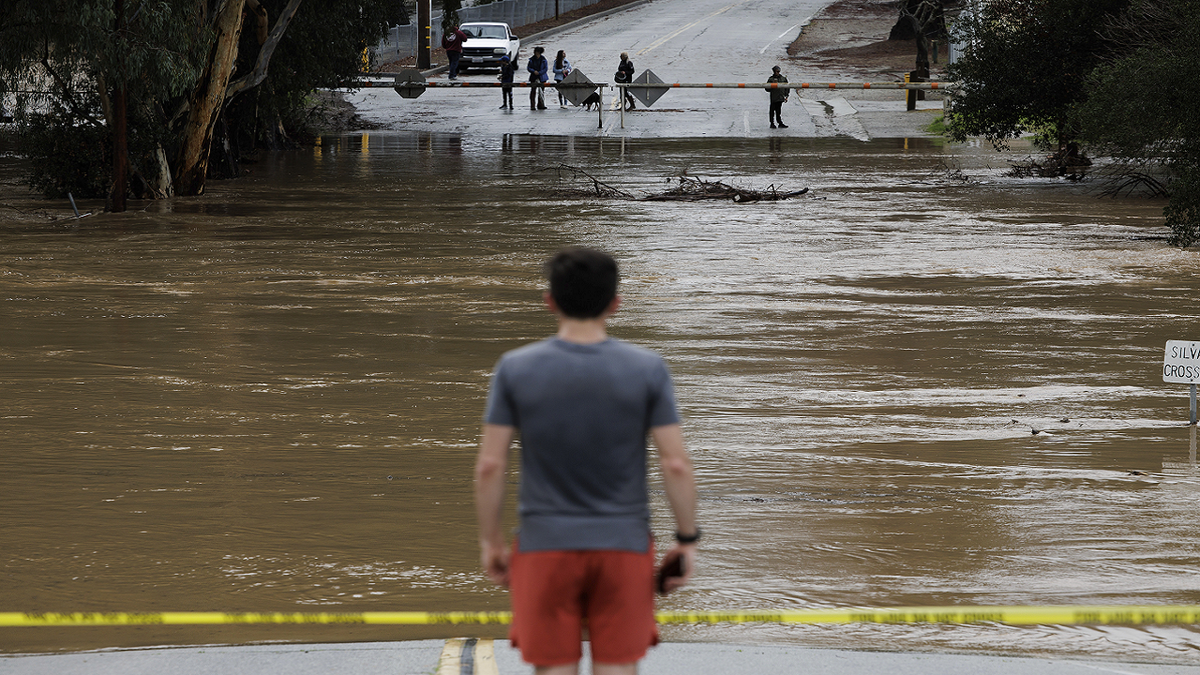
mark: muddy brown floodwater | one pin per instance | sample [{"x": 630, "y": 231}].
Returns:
[{"x": 267, "y": 398}]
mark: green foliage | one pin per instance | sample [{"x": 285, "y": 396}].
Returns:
[
  {"x": 937, "y": 127},
  {"x": 1025, "y": 67},
  {"x": 1183, "y": 211},
  {"x": 67, "y": 58},
  {"x": 1144, "y": 103},
  {"x": 450, "y": 15}
]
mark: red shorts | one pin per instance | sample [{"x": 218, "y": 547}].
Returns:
[{"x": 557, "y": 594}]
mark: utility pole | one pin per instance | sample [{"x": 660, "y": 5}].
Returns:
[{"x": 424, "y": 32}]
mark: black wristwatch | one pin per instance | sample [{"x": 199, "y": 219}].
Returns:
[{"x": 687, "y": 538}]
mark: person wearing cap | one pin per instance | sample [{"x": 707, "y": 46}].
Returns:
[
  {"x": 779, "y": 95},
  {"x": 584, "y": 407},
  {"x": 507, "y": 69},
  {"x": 539, "y": 73}
]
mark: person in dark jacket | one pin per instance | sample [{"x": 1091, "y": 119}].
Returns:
[
  {"x": 507, "y": 69},
  {"x": 452, "y": 42},
  {"x": 539, "y": 73},
  {"x": 625, "y": 74},
  {"x": 779, "y": 95}
]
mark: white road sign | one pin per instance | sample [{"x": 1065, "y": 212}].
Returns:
[{"x": 1181, "y": 362}]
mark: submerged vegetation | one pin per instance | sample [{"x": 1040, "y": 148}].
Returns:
[
  {"x": 576, "y": 182},
  {"x": 1113, "y": 77}
]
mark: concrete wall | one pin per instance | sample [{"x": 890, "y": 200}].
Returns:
[{"x": 402, "y": 40}]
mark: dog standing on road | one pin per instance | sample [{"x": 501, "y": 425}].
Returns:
[{"x": 592, "y": 101}]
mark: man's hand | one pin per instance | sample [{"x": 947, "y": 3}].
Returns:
[
  {"x": 688, "y": 553},
  {"x": 495, "y": 559}
]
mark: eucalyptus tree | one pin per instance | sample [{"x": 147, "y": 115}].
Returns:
[
  {"x": 73, "y": 64},
  {"x": 91, "y": 76},
  {"x": 923, "y": 21}
]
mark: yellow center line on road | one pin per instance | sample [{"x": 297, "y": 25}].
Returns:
[
  {"x": 468, "y": 656},
  {"x": 450, "y": 662},
  {"x": 663, "y": 40},
  {"x": 485, "y": 658}
]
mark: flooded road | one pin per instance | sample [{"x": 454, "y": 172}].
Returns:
[{"x": 268, "y": 398}]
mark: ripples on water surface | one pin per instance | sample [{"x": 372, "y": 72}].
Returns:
[{"x": 267, "y": 398}]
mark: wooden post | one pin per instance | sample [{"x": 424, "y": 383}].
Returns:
[{"x": 424, "y": 33}]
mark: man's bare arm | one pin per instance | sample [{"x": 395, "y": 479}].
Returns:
[
  {"x": 491, "y": 466},
  {"x": 680, "y": 483}
]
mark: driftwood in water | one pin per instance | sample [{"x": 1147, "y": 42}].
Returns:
[
  {"x": 587, "y": 185},
  {"x": 689, "y": 189},
  {"x": 696, "y": 189}
]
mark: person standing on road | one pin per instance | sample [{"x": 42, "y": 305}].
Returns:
[
  {"x": 624, "y": 75},
  {"x": 452, "y": 42},
  {"x": 539, "y": 74},
  {"x": 583, "y": 404},
  {"x": 779, "y": 95},
  {"x": 507, "y": 70},
  {"x": 562, "y": 68}
]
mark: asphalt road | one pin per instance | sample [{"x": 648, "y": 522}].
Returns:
[
  {"x": 721, "y": 41},
  {"x": 426, "y": 657}
]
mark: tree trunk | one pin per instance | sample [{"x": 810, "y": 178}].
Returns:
[
  {"x": 922, "y": 69},
  {"x": 120, "y": 152},
  {"x": 208, "y": 99},
  {"x": 269, "y": 43},
  {"x": 120, "y": 127}
]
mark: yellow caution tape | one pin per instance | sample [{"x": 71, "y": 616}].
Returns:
[
  {"x": 1129, "y": 615},
  {"x": 193, "y": 618}
]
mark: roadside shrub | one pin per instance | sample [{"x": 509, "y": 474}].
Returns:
[
  {"x": 1183, "y": 211},
  {"x": 65, "y": 157}
]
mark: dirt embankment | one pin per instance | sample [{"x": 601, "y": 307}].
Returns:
[{"x": 849, "y": 40}]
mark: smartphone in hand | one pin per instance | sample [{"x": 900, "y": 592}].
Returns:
[{"x": 671, "y": 567}]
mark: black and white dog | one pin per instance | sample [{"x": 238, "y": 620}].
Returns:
[{"x": 592, "y": 101}]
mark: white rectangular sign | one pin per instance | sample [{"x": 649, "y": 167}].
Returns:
[{"x": 1181, "y": 362}]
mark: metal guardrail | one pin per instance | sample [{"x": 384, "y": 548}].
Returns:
[{"x": 648, "y": 88}]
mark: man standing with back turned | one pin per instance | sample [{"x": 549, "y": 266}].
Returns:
[{"x": 583, "y": 404}]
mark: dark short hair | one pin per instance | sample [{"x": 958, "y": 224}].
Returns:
[{"x": 583, "y": 281}]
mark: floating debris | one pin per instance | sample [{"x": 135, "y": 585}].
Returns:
[
  {"x": 686, "y": 189},
  {"x": 696, "y": 189}
]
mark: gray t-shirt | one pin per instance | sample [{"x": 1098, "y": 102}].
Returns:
[{"x": 583, "y": 413}]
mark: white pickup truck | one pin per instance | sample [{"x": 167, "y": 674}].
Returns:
[{"x": 486, "y": 43}]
